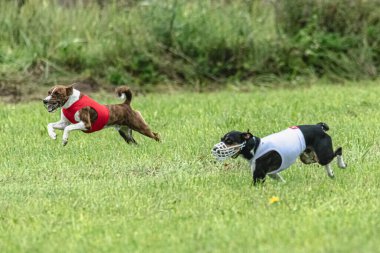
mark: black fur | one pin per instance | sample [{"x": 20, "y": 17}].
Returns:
[
  {"x": 128, "y": 138},
  {"x": 317, "y": 141}
]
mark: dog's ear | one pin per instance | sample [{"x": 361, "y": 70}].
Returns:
[
  {"x": 69, "y": 90},
  {"x": 247, "y": 135}
]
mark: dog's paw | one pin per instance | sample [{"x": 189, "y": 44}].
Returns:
[
  {"x": 342, "y": 164},
  {"x": 329, "y": 171},
  {"x": 64, "y": 142},
  {"x": 53, "y": 136},
  {"x": 51, "y": 133}
]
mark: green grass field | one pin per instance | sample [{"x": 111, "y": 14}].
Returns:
[{"x": 99, "y": 194}]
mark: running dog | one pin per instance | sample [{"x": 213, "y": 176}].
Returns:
[
  {"x": 276, "y": 152},
  {"x": 80, "y": 112}
]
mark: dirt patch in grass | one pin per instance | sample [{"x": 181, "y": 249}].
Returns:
[
  {"x": 31, "y": 89},
  {"x": 34, "y": 87},
  {"x": 10, "y": 93}
]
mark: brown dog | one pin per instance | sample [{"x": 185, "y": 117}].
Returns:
[{"x": 79, "y": 112}]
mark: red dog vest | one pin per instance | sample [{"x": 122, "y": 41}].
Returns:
[{"x": 101, "y": 110}]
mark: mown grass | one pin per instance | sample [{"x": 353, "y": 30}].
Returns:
[{"x": 98, "y": 194}]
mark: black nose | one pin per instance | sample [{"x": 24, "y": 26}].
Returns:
[{"x": 45, "y": 101}]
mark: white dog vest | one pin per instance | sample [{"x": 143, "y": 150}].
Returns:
[{"x": 289, "y": 143}]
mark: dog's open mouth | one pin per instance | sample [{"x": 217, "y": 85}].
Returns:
[{"x": 51, "y": 107}]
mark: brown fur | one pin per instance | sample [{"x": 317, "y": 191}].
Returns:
[
  {"x": 309, "y": 156},
  {"x": 127, "y": 92},
  {"x": 60, "y": 94},
  {"x": 121, "y": 115}
]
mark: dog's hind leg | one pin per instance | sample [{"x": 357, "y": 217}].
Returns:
[
  {"x": 149, "y": 133},
  {"x": 339, "y": 157},
  {"x": 126, "y": 133},
  {"x": 325, "y": 154},
  {"x": 130, "y": 137},
  {"x": 277, "y": 177},
  {"x": 143, "y": 128},
  {"x": 329, "y": 171}
]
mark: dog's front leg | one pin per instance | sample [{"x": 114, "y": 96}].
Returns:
[
  {"x": 61, "y": 124},
  {"x": 258, "y": 173},
  {"x": 252, "y": 165},
  {"x": 78, "y": 126},
  {"x": 57, "y": 125},
  {"x": 341, "y": 163}
]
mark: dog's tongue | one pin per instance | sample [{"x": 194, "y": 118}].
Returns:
[{"x": 51, "y": 108}]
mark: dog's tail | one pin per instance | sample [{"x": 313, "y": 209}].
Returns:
[
  {"x": 324, "y": 126},
  {"x": 124, "y": 93}
]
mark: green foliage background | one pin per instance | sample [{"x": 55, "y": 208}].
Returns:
[{"x": 195, "y": 41}]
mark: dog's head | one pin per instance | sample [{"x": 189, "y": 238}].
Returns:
[
  {"x": 57, "y": 97},
  {"x": 231, "y": 145}
]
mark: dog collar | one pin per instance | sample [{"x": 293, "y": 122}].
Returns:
[
  {"x": 250, "y": 148},
  {"x": 257, "y": 144}
]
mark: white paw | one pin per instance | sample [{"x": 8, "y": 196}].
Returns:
[
  {"x": 53, "y": 135},
  {"x": 330, "y": 174},
  {"x": 51, "y": 132},
  {"x": 342, "y": 165},
  {"x": 65, "y": 139},
  {"x": 64, "y": 142}
]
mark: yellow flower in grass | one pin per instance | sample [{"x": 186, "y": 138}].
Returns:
[{"x": 274, "y": 199}]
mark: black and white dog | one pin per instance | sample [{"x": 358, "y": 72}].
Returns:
[{"x": 276, "y": 152}]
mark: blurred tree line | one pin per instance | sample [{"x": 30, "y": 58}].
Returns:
[{"x": 183, "y": 41}]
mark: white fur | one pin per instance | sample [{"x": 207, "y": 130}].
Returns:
[
  {"x": 341, "y": 163},
  {"x": 277, "y": 177},
  {"x": 47, "y": 98},
  {"x": 76, "y": 116},
  {"x": 329, "y": 171},
  {"x": 72, "y": 99},
  {"x": 64, "y": 123},
  {"x": 78, "y": 126},
  {"x": 61, "y": 124},
  {"x": 122, "y": 96}
]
